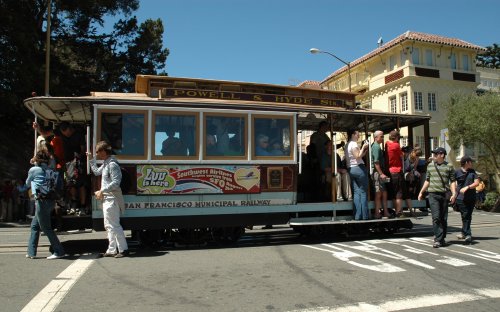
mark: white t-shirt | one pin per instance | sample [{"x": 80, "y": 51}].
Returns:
[
  {"x": 40, "y": 142},
  {"x": 353, "y": 162}
]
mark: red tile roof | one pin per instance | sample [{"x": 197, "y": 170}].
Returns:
[
  {"x": 312, "y": 84},
  {"x": 413, "y": 36}
]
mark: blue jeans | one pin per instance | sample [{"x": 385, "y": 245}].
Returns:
[
  {"x": 466, "y": 212},
  {"x": 439, "y": 212},
  {"x": 359, "y": 185},
  {"x": 41, "y": 222}
]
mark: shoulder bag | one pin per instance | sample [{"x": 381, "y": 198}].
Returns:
[{"x": 447, "y": 191}]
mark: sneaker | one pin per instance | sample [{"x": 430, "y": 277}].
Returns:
[
  {"x": 468, "y": 239},
  {"x": 30, "y": 257},
  {"x": 122, "y": 254},
  {"x": 436, "y": 245},
  {"x": 461, "y": 236},
  {"x": 108, "y": 254},
  {"x": 54, "y": 256}
]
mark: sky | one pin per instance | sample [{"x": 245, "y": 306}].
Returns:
[{"x": 268, "y": 41}]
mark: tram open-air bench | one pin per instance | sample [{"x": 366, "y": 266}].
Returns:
[{"x": 346, "y": 224}]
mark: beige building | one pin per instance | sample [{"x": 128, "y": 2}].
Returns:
[
  {"x": 414, "y": 73},
  {"x": 490, "y": 79}
]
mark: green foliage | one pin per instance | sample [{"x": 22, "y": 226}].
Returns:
[
  {"x": 85, "y": 56},
  {"x": 473, "y": 119},
  {"x": 490, "y": 200},
  {"x": 490, "y": 58}
]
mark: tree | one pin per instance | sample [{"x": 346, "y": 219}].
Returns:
[
  {"x": 490, "y": 58},
  {"x": 85, "y": 55},
  {"x": 474, "y": 119}
]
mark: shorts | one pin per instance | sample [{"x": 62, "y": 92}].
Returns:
[
  {"x": 378, "y": 183},
  {"x": 397, "y": 181}
]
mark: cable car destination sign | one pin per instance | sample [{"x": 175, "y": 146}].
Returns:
[{"x": 243, "y": 96}]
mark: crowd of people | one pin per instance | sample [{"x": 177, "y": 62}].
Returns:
[
  {"x": 45, "y": 192},
  {"x": 397, "y": 173}
]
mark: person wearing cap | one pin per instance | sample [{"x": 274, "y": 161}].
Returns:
[
  {"x": 467, "y": 181},
  {"x": 437, "y": 194}
]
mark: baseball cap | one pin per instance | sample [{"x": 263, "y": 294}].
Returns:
[
  {"x": 439, "y": 150},
  {"x": 465, "y": 159}
]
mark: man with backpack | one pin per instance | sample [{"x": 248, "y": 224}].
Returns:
[
  {"x": 112, "y": 199},
  {"x": 43, "y": 182}
]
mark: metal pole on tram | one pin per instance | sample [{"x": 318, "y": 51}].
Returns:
[
  {"x": 89, "y": 149},
  {"x": 335, "y": 173}
]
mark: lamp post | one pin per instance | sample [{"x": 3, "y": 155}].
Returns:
[
  {"x": 47, "y": 48},
  {"x": 315, "y": 51}
]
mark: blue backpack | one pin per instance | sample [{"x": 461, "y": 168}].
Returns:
[{"x": 49, "y": 188}]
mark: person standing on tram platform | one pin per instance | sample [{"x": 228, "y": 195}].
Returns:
[
  {"x": 357, "y": 172},
  {"x": 379, "y": 176},
  {"x": 112, "y": 199},
  {"x": 395, "y": 166}
]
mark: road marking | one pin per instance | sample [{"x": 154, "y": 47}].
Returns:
[
  {"x": 49, "y": 298},
  {"x": 454, "y": 262},
  {"x": 414, "y": 302},
  {"x": 347, "y": 256}
]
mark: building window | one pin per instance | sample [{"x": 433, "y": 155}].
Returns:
[
  {"x": 482, "y": 149},
  {"x": 402, "y": 56},
  {"x": 469, "y": 150},
  {"x": 431, "y": 99},
  {"x": 453, "y": 61},
  {"x": 404, "y": 141},
  {"x": 434, "y": 141},
  {"x": 465, "y": 62},
  {"x": 421, "y": 142},
  {"x": 392, "y": 62},
  {"x": 417, "y": 98},
  {"x": 392, "y": 104},
  {"x": 404, "y": 102},
  {"x": 415, "y": 56},
  {"x": 428, "y": 57}
]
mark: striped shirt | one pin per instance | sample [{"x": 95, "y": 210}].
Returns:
[{"x": 447, "y": 172}]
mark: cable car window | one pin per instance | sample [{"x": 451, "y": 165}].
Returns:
[
  {"x": 272, "y": 137},
  {"x": 225, "y": 136},
  {"x": 175, "y": 135},
  {"x": 125, "y": 132}
]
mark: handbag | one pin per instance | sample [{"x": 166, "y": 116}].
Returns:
[{"x": 447, "y": 191}]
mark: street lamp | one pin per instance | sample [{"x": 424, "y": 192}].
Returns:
[{"x": 315, "y": 51}]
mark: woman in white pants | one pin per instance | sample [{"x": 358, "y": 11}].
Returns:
[{"x": 111, "y": 195}]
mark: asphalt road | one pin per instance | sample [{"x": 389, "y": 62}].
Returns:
[{"x": 268, "y": 270}]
